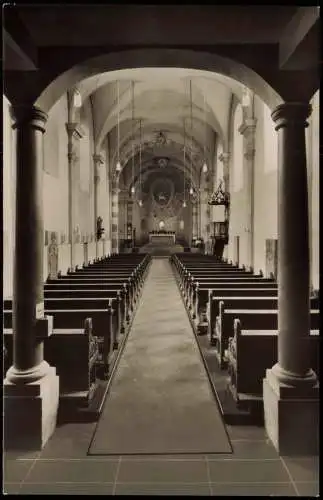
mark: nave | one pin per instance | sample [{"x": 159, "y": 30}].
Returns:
[{"x": 161, "y": 430}]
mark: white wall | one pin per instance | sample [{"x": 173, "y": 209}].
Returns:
[
  {"x": 313, "y": 168},
  {"x": 265, "y": 188},
  {"x": 55, "y": 179},
  {"x": 238, "y": 194},
  {"x": 9, "y": 208}
]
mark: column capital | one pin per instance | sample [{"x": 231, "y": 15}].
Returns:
[
  {"x": 98, "y": 159},
  {"x": 224, "y": 157},
  {"x": 74, "y": 130},
  {"x": 248, "y": 126},
  {"x": 291, "y": 114},
  {"x": 29, "y": 115}
]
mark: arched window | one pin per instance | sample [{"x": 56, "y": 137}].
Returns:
[{"x": 237, "y": 150}]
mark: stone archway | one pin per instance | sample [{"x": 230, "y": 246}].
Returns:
[
  {"x": 293, "y": 368},
  {"x": 160, "y": 57}
]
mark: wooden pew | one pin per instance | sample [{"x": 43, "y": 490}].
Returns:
[
  {"x": 74, "y": 353},
  {"x": 91, "y": 294},
  {"x": 86, "y": 303},
  {"x": 255, "y": 300},
  {"x": 198, "y": 299},
  {"x": 106, "y": 288},
  {"x": 252, "y": 319},
  {"x": 97, "y": 283},
  {"x": 209, "y": 282},
  {"x": 250, "y": 353},
  {"x": 71, "y": 319}
]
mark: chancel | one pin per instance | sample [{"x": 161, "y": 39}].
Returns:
[{"x": 161, "y": 250}]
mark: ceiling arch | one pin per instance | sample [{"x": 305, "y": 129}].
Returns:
[
  {"x": 149, "y": 136},
  {"x": 147, "y": 170},
  {"x": 153, "y": 100}
]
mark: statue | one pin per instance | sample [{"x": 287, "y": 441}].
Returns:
[
  {"x": 99, "y": 228},
  {"x": 53, "y": 257}
]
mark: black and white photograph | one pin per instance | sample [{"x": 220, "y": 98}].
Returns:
[{"x": 161, "y": 314}]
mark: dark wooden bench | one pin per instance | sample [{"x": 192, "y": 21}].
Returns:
[
  {"x": 191, "y": 284},
  {"x": 73, "y": 302},
  {"x": 250, "y": 353},
  {"x": 256, "y": 301},
  {"x": 96, "y": 284},
  {"x": 197, "y": 300},
  {"x": 73, "y": 319},
  {"x": 92, "y": 294},
  {"x": 252, "y": 319},
  {"x": 74, "y": 353}
]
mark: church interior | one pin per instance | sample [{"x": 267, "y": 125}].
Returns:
[{"x": 161, "y": 250}]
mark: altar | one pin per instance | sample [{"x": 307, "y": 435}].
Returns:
[{"x": 162, "y": 237}]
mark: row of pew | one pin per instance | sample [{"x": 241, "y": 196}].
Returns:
[
  {"x": 238, "y": 310},
  {"x": 92, "y": 308}
]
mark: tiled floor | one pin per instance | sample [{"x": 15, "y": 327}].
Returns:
[{"x": 253, "y": 469}]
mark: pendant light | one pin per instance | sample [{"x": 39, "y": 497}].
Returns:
[
  {"x": 118, "y": 166},
  {"x": 77, "y": 98},
  {"x": 204, "y": 168},
  {"x": 132, "y": 127},
  {"x": 191, "y": 148},
  {"x": 140, "y": 201},
  {"x": 184, "y": 158}
]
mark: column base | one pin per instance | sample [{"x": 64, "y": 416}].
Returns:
[
  {"x": 30, "y": 412},
  {"x": 291, "y": 416}
]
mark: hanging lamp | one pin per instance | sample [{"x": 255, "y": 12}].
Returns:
[
  {"x": 204, "y": 168},
  {"x": 77, "y": 98},
  {"x": 118, "y": 166},
  {"x": 191, "y": 148},
  {"x": 184, "y": 158},
  {"x": 140, "y": 200},
  {"x": 132, "y": 127}
]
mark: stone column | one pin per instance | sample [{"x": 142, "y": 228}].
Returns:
[
  {"x": 225, "y": 159},
  {"x": 98, "y": 161},
  {"x": 129, "y": 215},
  {"x": 247, "y": 129},
  {"x": 291, "y": 399},
  {"x": 31, "y": 386},
  {"x": 205, "y": 213},
  {"x": 115, "y": 218},
  {"x": 74, "y": 133},
  {"x": 194, "y": 219}
]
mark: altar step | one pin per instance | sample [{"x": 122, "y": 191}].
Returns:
[{"x": 161, "y": 250}]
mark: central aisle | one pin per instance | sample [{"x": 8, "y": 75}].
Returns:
[{"x": 160, "y": 400}]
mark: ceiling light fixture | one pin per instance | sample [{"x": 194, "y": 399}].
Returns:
[
  {"x": 204, "y": 168},
  {"x": 77, "y": 98},
  {"x": 191, "y": 148},
  {"x": 118, "y": 166},
  {"x": 140, "y": 201},
  {"x": 133, "y": 138},
  {"x": 184, "y": 157}
]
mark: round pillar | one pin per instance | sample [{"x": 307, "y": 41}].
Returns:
[
  {"x": 293, "y": 245},
  {"x": 29, "y": 323}
]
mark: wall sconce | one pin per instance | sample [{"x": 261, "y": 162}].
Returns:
[{"x": 77, "y": 99}]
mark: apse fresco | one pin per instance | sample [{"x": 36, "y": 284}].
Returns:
[{"x": 162, "y": 191}]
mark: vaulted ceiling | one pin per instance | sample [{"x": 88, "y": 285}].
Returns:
[
  {"x": 41, "y": 42},
  {"x": 153, "y": 113}
]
